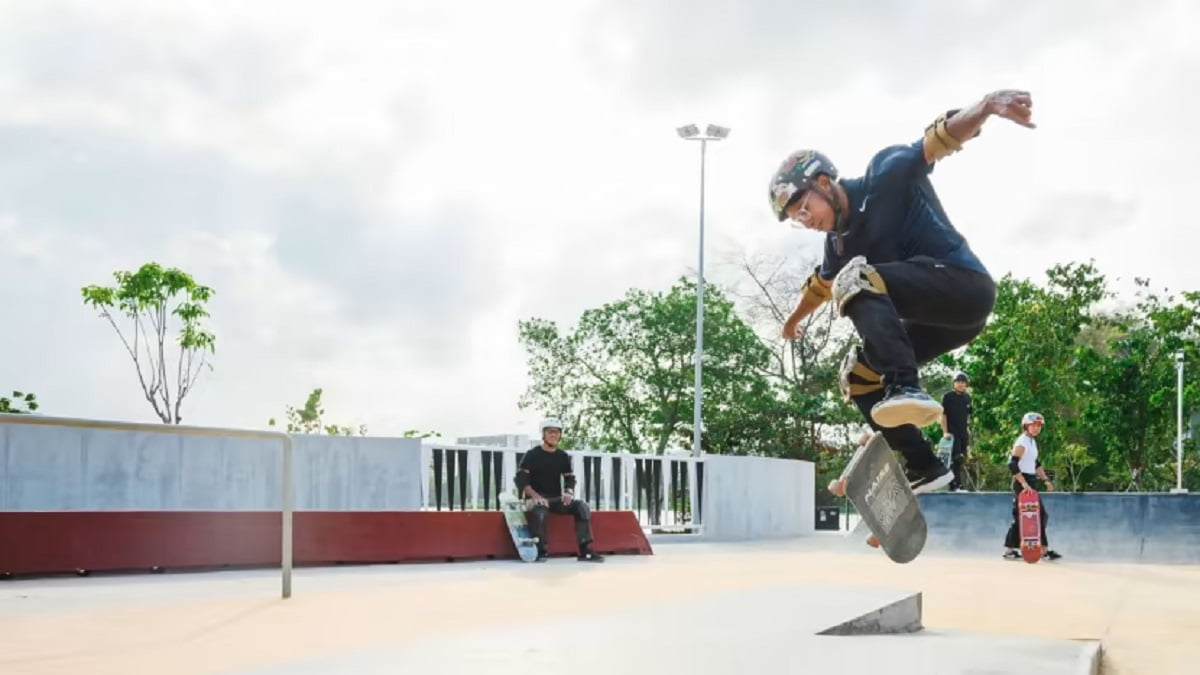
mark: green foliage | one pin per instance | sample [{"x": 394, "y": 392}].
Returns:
[
  {"x": 1104, "y": 379},
  {"x": 624, "y": 376},
  {"x": 21, "y": 403},
  {"x": 1129, "y": 416},
  {"x": 1027, "y": 360},
  {"x": 805, "y": 418},
  {"x": 149, "y": 298},
  {"x": 414, "y": 433},
  {"x": 307, "y": 420},
  {"x": 1101, "y": 372}
]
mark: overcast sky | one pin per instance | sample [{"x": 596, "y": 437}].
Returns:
[{"x": 379, "y": 191}]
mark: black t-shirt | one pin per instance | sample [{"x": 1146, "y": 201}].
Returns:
[
  {"x": 958, "y": 409},
  {"x": 545, "y": 468},
  {"x": 895, "y": 214}
]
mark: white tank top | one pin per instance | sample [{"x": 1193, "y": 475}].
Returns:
[{"x": 1027, "y": 462}]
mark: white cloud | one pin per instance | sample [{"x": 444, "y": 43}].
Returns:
[{"x": 380, "y": 191}]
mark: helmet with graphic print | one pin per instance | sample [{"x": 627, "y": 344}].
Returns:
[{"x": 797, "y": 173}]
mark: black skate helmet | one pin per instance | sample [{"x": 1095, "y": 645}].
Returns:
[{"x": 798, "y": 173}]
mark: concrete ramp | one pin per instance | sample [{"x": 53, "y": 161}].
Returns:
[
  {"x": 787, "y": 629},
  {"x": 702, "y": 609},
  {"x": 1085, "y": 526}
]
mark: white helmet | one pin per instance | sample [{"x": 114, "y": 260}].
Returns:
[
  {"x": 550, "y": 423},
  {"x": 1031, "y": 418}
]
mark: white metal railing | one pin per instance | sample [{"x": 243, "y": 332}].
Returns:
[
  {"x": 288, "y": 487},
  {"x": 657, "y": 488}
]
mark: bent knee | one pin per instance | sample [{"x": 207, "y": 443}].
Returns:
[{"x": 854, "y": 278}]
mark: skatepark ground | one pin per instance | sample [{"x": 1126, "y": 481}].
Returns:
[{"x": 693, "y": 606}]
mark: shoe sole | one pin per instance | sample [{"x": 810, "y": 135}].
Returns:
[
  {"x": 899, "y": 413},
  {"x": 935, "y": 484}
]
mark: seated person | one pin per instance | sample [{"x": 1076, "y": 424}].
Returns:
[{"x": 543, "y": 472}]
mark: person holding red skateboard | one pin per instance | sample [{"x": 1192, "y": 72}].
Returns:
[
  {"x": 895, "y": 265},
  {"x": 1025, "y": 467}
]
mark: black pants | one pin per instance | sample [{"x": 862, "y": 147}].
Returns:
[
  {"x": 930, "y": 309},
  {"x": 1013, "y": 538},
  {"x": 958, "y": 455},
  {"x": 583, "y": 521}
]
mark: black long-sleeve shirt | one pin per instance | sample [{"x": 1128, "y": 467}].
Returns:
[{"x": 541, "y": 469}]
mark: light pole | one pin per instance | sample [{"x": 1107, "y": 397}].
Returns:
[
  {"x": 1179, "y": 422},
  {"x": 692, "y": 133}
]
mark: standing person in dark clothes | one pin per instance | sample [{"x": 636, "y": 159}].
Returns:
[
  {"x": 547, "y": 478},
  {"x": 956, "y": 414},
  {"x": 1025, "y": 468}
]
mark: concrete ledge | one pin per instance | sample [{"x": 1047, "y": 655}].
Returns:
[
  {"x": 902, "y": 616},
  {"x": 1089, "y": 658},
  {"x": 52, "y": 542}
]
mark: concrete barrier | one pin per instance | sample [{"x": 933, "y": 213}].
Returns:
[
  {"x": 50, "y": 468},
  {"x": 757, "y": 498},
  {"x": 51, "y": 542},
  {"x": 1095, "y": 526}
]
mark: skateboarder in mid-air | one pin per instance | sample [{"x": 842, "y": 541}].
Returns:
[
  {"x": 1025, "y": 466},
  {"x": 546, "y": 477},
  {"x": 897, "y": 267}
]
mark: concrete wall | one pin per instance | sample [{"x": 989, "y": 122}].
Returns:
[
  {"x": 48, "y": 468},
  {"x": 55, "y": 468},
  {"x": 757, "y": 498},
  {"x": 1085, "y": 526}
]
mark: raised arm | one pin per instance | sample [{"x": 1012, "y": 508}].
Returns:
[{"x": 948, "y": 132}]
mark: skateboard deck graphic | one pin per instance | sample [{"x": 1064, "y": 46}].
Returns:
[
  {"x": 1030, "y": 525},
  {"x": 518, "y": 526},
  {"x": 874, "y": 482}
]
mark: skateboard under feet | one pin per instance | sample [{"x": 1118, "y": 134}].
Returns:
[{"x": 875, "y": 483}]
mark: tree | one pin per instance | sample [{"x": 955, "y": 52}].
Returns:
[
  {"x": 1103, "y": 378},
  {"x": 21, "y": 403},
  {"x": 308, "y": 420},
  {"x": 1129, "y": 418},
  {"x": 149, "y": 298},
  {"x": 1028, "y": 358},
  {"x": 624, "y": 376},
  {"x": 808, "y": 416}
]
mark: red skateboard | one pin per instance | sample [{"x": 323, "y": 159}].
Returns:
[{"x": 1029, "y": 517}]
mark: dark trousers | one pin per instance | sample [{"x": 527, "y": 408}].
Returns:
[
  {"x": 930, "y": 309},
  {"x": 958, "y": 455},
  {"x": 1013, "y": 538},
  {"x": 583, "y": 521}
]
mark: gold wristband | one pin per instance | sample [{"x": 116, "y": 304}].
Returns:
[
  {"x": 938, "y": 140},
  {"x": 814, "y": 290}
]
